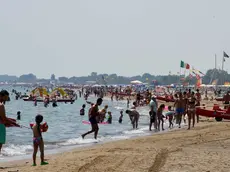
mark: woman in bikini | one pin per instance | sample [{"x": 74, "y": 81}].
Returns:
[
  {"x": 191, "y": 110},
  {"x": 198, "y": 100},
  {"x": 38, "y": 140},
  {"x": 160, "y": 117}
]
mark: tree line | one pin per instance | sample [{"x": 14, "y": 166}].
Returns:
[{"x": 211, "y": 75}]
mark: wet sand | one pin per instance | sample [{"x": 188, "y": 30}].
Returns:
[{"x": 204, "y": 148}]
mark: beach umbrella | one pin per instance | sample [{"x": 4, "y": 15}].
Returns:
[{"x": 136, "y": 82}]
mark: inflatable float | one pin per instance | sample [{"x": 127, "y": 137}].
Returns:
[{"x": 44, "y": 127}]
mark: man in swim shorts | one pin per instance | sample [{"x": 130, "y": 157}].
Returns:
[
  {"x": 94, "y": 113},
  {"x": 4, "y": 96},
  {"x": 179, "y": 105}
]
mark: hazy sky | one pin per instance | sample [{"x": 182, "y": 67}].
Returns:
[{"x": 127, "y": 37}]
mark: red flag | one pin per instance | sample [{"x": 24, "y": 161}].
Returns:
[{"x": 187, "y": 66}]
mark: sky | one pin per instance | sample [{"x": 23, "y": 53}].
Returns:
[{"x": 126, "y": 37}]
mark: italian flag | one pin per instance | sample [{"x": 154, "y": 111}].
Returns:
[{"x": 184, "y": 65}]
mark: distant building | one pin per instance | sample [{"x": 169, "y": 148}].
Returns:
[{"x": 52, "y": 77}]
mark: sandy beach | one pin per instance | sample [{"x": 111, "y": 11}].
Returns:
[{"x": 204, "y": 148}]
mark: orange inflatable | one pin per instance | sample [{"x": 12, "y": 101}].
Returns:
[{"x": 44, "y": 127}]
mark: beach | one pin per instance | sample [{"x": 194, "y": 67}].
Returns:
[{"x": 204, "y": 148}]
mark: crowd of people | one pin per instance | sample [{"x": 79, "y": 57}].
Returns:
[{"x": 184, "y": 106}]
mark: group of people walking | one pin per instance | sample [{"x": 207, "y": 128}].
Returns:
[{"x": 185, "y": 105}]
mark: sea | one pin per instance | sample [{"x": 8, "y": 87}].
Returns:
[{"x": 65, "y": 126}]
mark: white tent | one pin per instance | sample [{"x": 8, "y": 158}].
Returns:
[{"x": 136, "y": 82}]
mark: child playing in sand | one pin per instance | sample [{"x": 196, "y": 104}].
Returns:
[
  {"x": 38, "y": 140},
  {"x": 169, "y": 115},
  {"x": 109, "y": 117}
]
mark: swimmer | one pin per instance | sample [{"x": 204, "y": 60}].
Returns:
[
  {"x": 38, "y": 140},
  {"x": 82, "y": 111},
  {"x": 134, "y": 105},
  {"x": 18, "y": 115},
  {"x": 109, "y": 118},
  {"x": 120, "y": 118},
  {"x": 134, "y": 117},
  {"x": 94, "y": 112},
  {"x": 103, "y": 113}
]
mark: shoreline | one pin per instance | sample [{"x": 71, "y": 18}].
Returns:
[{"x": 189, "y": 151}]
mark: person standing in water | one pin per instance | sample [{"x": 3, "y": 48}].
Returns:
[
  {"x": 134, "y": 117},
  {"x": 4, "y": 96},
  {"x": 121, "y": 117},
  {"x": 153, "y": 113},
  {"x": 160, "y": 117},
  {"x": 38, "y": 140},
  {"x": 94, "y": 112},
  {"x": 109, "y": 120},
  {"x": 179, "y": 104}
]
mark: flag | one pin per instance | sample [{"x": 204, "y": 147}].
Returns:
[
  {"x": 226, "y": 55},
  {"x": 198, "y": 77},
  {"x": 182, "y": 64},
  {"x": 190, "y": 76},
  {"x": 187, "y": 66}
]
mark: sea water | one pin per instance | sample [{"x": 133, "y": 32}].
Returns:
[{"x": 65, "y": 125}]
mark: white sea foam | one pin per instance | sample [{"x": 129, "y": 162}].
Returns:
[{"x": 13, "y": 150}]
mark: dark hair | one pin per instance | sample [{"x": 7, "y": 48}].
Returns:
[
  {"x": 99, "y": 100},
  {"x": 127, "y": 111},
  {"x": 4, "y": 93},
  {"x": 39, "y": 119},
  {"x": 83, "y": 105},
  {"x": 18, "y": 112},
  {"x": 162, "y": 106},
  {"x": 169, "y": 107}
]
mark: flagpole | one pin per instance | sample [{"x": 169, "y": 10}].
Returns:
[
  {"x": 222, "y": 79},
  {"x": 223, "y": 63},
  {"x": 215, "y": 61}
]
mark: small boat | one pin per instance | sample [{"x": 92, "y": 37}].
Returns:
[
  {"x": 219, "y": 114},
  {"x": 220, "y": 99},
  {"x": 166, "y": 99}
]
